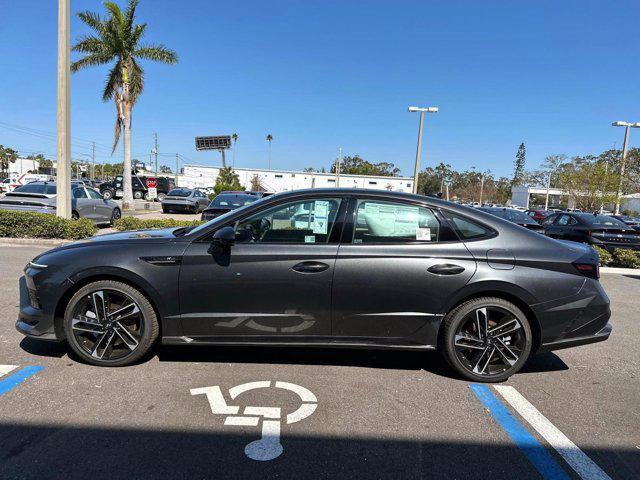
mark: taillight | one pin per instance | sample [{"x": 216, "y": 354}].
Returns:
[{"x": 590, "y": 270}]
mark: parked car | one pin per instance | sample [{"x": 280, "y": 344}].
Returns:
[
  {"x": 420, "y": 274},
  {"x": 41, "y": 197},
  {"x": 113, "y": 188},
  {"x": 4, "y": 184},
  {"x": 633, "y": 222},
  {"x": 186, "y": 200},
  {"x": 600, "y": 230},
  {"x": 538, "y": 215},
  {"x": 515, "y": 216},
  {"x": 225, "y": 202}
]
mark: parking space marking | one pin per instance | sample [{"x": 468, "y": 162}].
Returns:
[
  {"x": 4, "y": 369},
  {"x": 11, "y": 381},
  {"x": 576, "y": 458},
  {"x": 534, "y": 451}
]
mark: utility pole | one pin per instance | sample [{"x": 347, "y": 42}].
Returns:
[
  {"x": 419, "y": 147},
  {"x": 481, "y": 187},
  {"x": 93, "y": 160},
  {"x": 63, "y": 147},
  {"x": 447, "y": 187},
  {"x": 627, "y": 126},
  {"x": 546, "y": 201},
  {"x": 155, "y": 151},
  {"x": 176, "y": 174},
  {"x": 338, "y": 166}
]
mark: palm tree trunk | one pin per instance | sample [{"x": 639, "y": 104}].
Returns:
[{"x": 127, "y": 196}]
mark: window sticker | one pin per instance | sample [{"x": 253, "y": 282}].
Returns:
[
  {"x": 309, "y": 239},
  {"x": 423, "y": 234},
  {"x": 321, "y": 217},
  {"x": 391, "y": 220}
]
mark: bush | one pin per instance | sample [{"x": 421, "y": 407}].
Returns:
[
  {"x": 133, "y": 223},
  {"x": 17, "y": 224},
  {"x": 626, "y": 258},
  {"x": 605, "y": 257}
]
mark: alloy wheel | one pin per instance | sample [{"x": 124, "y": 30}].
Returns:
[
  {"x": 489, "y": 341},
  {"x": 107, "y": 325}
]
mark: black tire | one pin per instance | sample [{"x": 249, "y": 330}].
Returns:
[
  {"x": 505, "y": 351},
  {"x": 75, "y": 215},
  {"x": 161, "y": 197},
  {"x": 107, "y": 194},
  {"x": 144, "y": 334},
  {"x": 115, "y": 215},
  {"x": 137, "y": 194},
  {"x": 147, "y": 197},
  {"x": 166, "y": 210}
]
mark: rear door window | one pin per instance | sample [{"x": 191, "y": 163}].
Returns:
[{"x": 391, "y": 222}]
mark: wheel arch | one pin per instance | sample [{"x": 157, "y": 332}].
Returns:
[
  {"x": 86, "y": 277},
  {"x": 512, "y": 293}
]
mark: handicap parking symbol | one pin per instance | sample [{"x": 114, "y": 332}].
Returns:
[{"x": 268, "y": 446}]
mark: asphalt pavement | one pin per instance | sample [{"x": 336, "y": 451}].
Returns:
[{"x": 192, "y": 413}]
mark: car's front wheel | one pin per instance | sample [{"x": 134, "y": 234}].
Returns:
[
  {"x": 137, "y": 194},
  {"x": 486, "y": 339},
  {"x": 110, "y": 323},
  {"x": 115, "y": 215},
  {"x": 107, "y": 194}
]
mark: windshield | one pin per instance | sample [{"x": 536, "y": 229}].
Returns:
[
  {"x": 601, "y": 220},
  {"x": 179, "y": 192},
  {"x": 42, "y": 188},
  {"x": 232, "y": 201}
]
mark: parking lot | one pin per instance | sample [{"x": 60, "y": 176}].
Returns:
[{"x": 316, "y": 413}]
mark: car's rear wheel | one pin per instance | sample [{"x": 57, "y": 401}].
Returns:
[
  {"x": 110, "y": 323},
  {"x": 107, "y": 194},
  {"x": 161, "y": 197},
  {"x": 137, "y": 194},
  {"x": 75, "y": 215},
  {"x": 486, "y": 339},
  {"x": 115, "y": 215}
]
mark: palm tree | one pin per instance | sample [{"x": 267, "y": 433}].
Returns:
[
  {"x": 269, "y": 139},
  {"x": 235, "y": 140},
  {"x": 117, "y": 39}
]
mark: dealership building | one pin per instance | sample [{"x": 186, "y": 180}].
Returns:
[{"x": 196, "y": 176}]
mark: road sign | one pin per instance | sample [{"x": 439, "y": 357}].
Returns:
[
  {"x": 152, "y": 182},
  {"x": 152, "y": 193}
]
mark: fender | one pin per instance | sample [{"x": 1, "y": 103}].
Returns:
[{"x": 490, "y": 287}]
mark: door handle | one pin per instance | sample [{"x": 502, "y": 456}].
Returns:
[
  {"x": 445, "y": 269},
  {"x": 310, "y": 267}
]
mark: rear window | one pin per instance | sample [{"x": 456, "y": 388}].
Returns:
[
  {"x": 232, "y": 201},
  {"x": 468, "y": 229},
  {"x": 179, "y": 192},
  {"x": 601, "y": 220},
  {"x": 37, "y": 188},
  {"x": 511, "y": 215}
]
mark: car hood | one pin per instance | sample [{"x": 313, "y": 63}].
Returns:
[{"x": 132, "y": 236}]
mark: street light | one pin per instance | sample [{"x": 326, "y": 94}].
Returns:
[
  {"x": 627, "y": 125},
  {"x": 419, "y": 147}
]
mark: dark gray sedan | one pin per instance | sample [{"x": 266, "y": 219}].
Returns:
[
  {"x": 41, "y": 197},
  {"x": 186, "y": 200}
]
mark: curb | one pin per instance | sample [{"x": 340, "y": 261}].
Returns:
[
  {"x": 628, "y": 271},
  {"x": 47, "y": 242}
]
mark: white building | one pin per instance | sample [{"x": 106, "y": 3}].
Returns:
[
  {"x": 194, "y": 176},
  {"x": 22, "y": 166}
]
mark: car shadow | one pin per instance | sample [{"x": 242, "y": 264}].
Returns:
[
  {"x": 43, "y": 349},
  {"x": 544, "y": 362},
  {"x": 635, "y": 277}
]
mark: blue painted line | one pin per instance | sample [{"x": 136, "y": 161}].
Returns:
[
  {"x": 535, "y": 452},
  {"x": 15, "y": 379}
]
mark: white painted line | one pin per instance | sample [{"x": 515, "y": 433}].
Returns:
[
  {"x": 242, "y": 421},
  {"x": 304, "y": 394},
  {"x": 216, "y": 400},
  {"x": 576, "y": 458},
  {"x": 301, "y": 413},
  {"x": 266, "y": 412},
  {"x": 245, "y": 387},
  {"x": 269, "y": 446},
  {"x": 4, "y": 369}
]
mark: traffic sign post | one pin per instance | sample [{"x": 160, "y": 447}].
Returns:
[{"x": 152, "y": 188}]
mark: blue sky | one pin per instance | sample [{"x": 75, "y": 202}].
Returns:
[{"x": 320, "y": 74}]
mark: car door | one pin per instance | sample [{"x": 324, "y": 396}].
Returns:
[
  {"x": 83, "y": 205},
  {"x": 548, "y": 224},
  {"x": 103, "y": 210},
  {"x": 275, "y": 281},
  {"x": 398, "y": 264},
  {"x": 560, "y": 227}
]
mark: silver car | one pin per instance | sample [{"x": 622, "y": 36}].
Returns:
[
  {"x": 186, "y": 200},
  {"x": 41, "y": 197}
]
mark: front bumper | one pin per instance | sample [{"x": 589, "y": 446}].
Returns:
[{"x": 34, "y": 322}]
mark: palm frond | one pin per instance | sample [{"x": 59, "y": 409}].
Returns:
[
  {"x": 136, "y": 83},
  {"x": 130, "y": 14},
  {"x": 114, "y": 80},
  {"x": 92, "y": 19},
  {"x": 157, "y": 53},
  {"x": 89, "y": 61},
  {"x": 136, "y": 35},
  {"x": 90, "y": 44},
  {"x": 116, "y": 134},
  {"x": 114, "y": 9}
]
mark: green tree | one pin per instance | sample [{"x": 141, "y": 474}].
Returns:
[
  {"x": 165, "y": 169},
  {"x": 355, "y": 165},
  {"x": 227, "y": 180},
  {"x": 118, "y": 39},
  {"x": 7, "y": 155},
  {"x": 519, "y": 166},
  {"x": 44, "y": 164},
  {"x": 590, "y": 182},
  {"x": 235, "y": 140},
  {"x": 269, "y": 139}
]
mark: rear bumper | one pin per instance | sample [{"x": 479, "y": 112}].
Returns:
[
  {"x": 179, "y": 207},
  {"x": 599, "y": 336}
]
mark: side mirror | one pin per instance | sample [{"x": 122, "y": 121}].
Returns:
[{"x": 222, "y": 240}]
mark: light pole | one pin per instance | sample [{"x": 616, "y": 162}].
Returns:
[
  {"x": 419, "y": 147},
  {"x": 627, "y": 126},
  {"x": 63, "y": 148}
]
